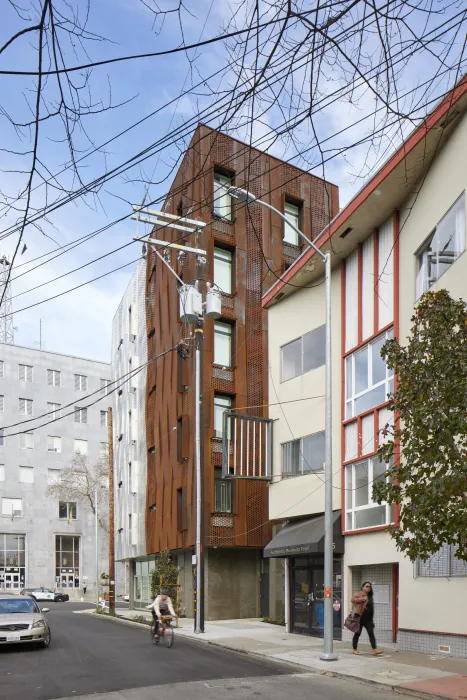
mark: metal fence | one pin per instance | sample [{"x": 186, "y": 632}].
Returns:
[{"x": 246, "y": 447}]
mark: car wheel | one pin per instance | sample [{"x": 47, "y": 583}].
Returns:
[{"x": 46, "y": 642}]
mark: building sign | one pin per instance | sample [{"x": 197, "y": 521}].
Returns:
[{"x": 336, "y": 606}]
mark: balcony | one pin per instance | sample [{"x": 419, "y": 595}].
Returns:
[{"x": 222, "y": 496}]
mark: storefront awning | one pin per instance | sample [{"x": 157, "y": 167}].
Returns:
[{"x": 305, "y": 537}]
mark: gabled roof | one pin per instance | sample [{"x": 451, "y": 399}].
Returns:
[{"x": 381, "y": 195}]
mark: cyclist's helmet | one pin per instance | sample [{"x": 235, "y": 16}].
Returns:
[{"x": 164, "y": 591}]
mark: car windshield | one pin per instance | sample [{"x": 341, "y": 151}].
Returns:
[{"x": 17, "y": 605}]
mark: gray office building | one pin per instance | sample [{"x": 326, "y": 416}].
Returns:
[{"x": 44, "y": 541}]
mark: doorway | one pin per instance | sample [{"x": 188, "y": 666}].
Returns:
[
  {"x": 67, "y": 580},
  {"x": 12, "y": 582},
  {"x": 307, "y": 597}
]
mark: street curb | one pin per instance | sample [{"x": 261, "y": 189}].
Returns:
[{"x": 331, "y": 674}]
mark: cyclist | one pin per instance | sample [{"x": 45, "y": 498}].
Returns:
[{"x": 162, "y": 605}]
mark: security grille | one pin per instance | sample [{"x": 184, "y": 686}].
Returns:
[{"x": 442, "y": 564}]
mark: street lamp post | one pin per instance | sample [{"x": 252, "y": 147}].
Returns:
[{"x": 328, "y": 652}]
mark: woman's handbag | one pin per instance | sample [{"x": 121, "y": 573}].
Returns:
[{"x": 352, "y": 622}]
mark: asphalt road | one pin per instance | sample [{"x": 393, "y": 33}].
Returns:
[{"x": 93, "y": 655}]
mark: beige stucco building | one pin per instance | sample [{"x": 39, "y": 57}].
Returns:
[{"x": 402, "y": 234}]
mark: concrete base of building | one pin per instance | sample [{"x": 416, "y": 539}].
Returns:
[{"x": 435, "y": 643}]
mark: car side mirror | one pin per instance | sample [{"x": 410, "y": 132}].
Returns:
[{"x": 44, "y": 610}]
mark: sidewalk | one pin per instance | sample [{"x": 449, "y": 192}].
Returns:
[{"x": 407, "y": 672}]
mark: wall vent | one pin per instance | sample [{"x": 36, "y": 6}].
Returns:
[{"x": 444, "y": 649}]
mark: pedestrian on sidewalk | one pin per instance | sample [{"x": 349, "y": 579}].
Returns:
[{"x": 364, "y": 606}]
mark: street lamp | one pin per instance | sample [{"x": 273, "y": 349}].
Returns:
[{"x": 328, "y": 652}]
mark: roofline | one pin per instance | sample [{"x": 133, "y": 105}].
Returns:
[
  {"x": 279, "y": 160},
  {"x": 428, "y": 123},
  {"x": 52, "y": 352}
]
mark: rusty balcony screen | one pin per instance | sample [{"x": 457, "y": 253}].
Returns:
[{"x": 246, "y": 447}]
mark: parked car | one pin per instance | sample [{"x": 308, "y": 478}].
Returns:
[
  {"x": 41, "y": 593},
  {"x": 22, "y": 621},
  {"x": 61, "y": 597}
]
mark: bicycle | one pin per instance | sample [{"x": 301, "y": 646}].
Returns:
[{"x": 166, "y": 631}]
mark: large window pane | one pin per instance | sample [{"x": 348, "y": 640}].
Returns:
[
  {"x": 292, "y": 214},
  {"x": 361, "y": 370},
  {"x": 371, "y": 399},
  {"x": 314, "y": 349},
  {"x": 348, "y": 376},
  {"x": 221, "y": 404},
  {"x": 313, "y": 452},
  {"x": 370, "y": 517},
  {"x": 223, "y": 270},
  {"x": 378, "y": 364},
  {"x": 291, "y": 360},
  {"x": 291, "y": 457},
  {"x": 223, "y": 344},
  {"x": 361, "y": 484},
  {"x": 222, "y": 200}
]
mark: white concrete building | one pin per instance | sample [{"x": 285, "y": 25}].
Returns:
[
  {"x": 386, "y": 246},
  {"x": 44, "y": 542},
  {"x": 129, "y": 357}
]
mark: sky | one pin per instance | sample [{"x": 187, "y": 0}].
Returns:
[{"x": 79, "y": 322}]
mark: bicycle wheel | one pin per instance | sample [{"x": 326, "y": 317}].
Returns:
[
  {"x": 168, "y": 636},
  {"x": 154, "y": 637}
]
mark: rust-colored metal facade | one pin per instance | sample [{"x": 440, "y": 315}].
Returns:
[{"x": 259, "y": 255}]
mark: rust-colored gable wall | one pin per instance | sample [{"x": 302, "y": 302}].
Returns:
[{"x": 259, "y": 256}]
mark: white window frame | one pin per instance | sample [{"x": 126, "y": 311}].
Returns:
[
  {"x": 27, "y": 406},
  {"x": 350, "y": 395},
  {"x": 52, "y": 445},
  {"x": 220, "y": 329},
  {"x": 104, "y": 419},
  {"x": 222, "y": 203},
  {"x": 429, "y": 258},
  {"x": 302, "y": 466},
  {"x": 13, "y": 504},
  {"x": 54, "y": 377},
  {"x": 53, "y": 409},
  {"x": 292, "y": 214},
  {"x": 81, "y": 415},
  {"x": 24, "y": 469},
  {"x": 301, "y": 341},
  {"x": 81, "y": 382},
  {"x": 83, "y": 443},
  {"x": 224, "y": 257},
  {"x": 104, "y": 450},
  {"x": 27, "y": 371},
  {"x": 68, "y": 509},
  {"x": 26, "y": 441},
  {"x": 228, "y": 407},
  {"x": 350, "y": 507},
  {"x": 53, "y": 476},
  {"x": 104, "y": 386}
]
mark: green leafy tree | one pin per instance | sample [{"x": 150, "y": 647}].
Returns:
[
  {"x": 166, "y": 569},
  {"x": 430, "y": 482}
]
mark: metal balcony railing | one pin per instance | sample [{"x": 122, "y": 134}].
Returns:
[{"x": 246, "y": 447}]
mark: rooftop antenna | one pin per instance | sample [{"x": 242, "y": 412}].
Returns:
[{"x": 7, "y": 331}]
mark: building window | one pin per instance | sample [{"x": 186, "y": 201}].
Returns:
[
  {"x": 104, "y": 450},
  {"x": 81, "y": 382},
  {"x": 292, "y": 214},
  {"x": 2, "y": 404},
  {"x": 223, "y": 344},
  {"x": 81, "y": 415},
  {"x": 53, "y": 409},
  {"x": 53, "y": 476},
  {"x": 26, "y": 475},
  {"x": 303, "y": 455},
  {"x": 12, "y": 507},
  {"x": 53, "y": 377},
  {"x": 368, "y": 380},
  {"x": 12, "y": 561},
  {"x": 2, "y": 369},
  {"x": 103, "y": 419},
  {"x": 442, "y": 247},
  {"x": 67, "y": 510},
  {"x": 442, "y": 564},
  {"x": 221, "y": 403},
  {"x": 179, "y": 509},
  {"x": 54, "y": 444},
  {"x": 26, "y": 441},
  {"x": 25, "y": 373},
  {"x": 303, "y": 354},
  {"x": 222, "y": 493},
  {"x": 81, "y": 447},
  {"x": 361, "y": 510},
  {"x": 25, "y": 407},
  {"x": 67, "y": 561},
  {"x": 2, "y": 472},
  {"x": 104, "y": 384},
  {"x": 222, "y": 200},
  {"x": 223, "y": 270}
]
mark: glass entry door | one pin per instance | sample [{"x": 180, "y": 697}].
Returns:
[{"x": 307, "y": 597}]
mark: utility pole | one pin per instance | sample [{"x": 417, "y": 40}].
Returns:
[
  {"x": 111, "y": 514},
  {"x": 194, "y": 308},
  {"x": 328, "y": 653},
  {"x": 97, "y": 548}
]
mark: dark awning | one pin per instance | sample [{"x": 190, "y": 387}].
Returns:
[{"x": 305, "y": 537}]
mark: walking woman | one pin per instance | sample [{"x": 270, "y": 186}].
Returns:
[{"x": 364, "y": 606}]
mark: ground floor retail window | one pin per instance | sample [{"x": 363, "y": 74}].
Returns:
[
  {"x": 67, "y": 561},
  {"x": 12, "y": 561},
  {"x": 442, "y": 564},
  {"x": 307, "y": 596}
]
